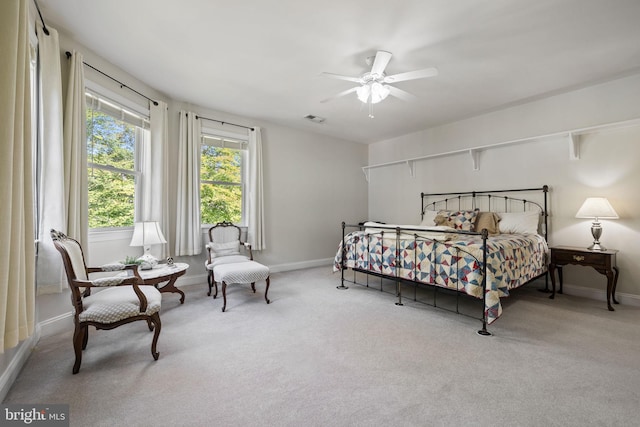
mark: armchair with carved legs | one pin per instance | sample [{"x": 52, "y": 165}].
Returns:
[{"x": 118, "y": 300}]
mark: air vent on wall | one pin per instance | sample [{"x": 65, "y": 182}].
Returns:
[{"x": 314, "y": 119}]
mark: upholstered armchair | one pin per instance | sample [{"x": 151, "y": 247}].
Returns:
[
  {"x": 118, "y": 299},
  {"x": 225, "y": 246}
]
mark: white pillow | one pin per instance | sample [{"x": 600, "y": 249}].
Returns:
[
  {"x": 519, "y": 222},
  {"x": 371, "y": 227},
  {"x": 428, "y": 219},
  {"x": 224, "y": 249}
]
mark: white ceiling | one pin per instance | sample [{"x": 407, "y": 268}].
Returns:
[{"x": 262, "y": 59}]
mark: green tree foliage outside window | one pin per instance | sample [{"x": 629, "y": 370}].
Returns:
[
  {"x": 220, "y": 184},
  {"x": 110, "y": 142}
]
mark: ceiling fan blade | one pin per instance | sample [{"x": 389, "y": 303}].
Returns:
[
  {"x": 381, "y": 61},
  {"x": 411, "y": 75},
  {"x": 399, "y": 93},
  {"x": 343, "y": 93},
  {"x": 341, "y": 77}
]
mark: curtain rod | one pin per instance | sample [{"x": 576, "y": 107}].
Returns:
[
  {"x": 117, "y": 81},
  {"x": 224, "y": 123},
  {"x": 44, "y": 26}
]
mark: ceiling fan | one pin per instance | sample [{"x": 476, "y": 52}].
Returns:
[{"x": 373, "y": 85}]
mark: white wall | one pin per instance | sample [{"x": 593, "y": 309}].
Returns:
[
  {"x": 311, "y": 184},
  {"x": 609, "y": 166}
]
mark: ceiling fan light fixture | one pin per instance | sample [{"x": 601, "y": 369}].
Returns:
[
  {"x": 378, "y": 92},
  {"x": 373, "y": 87},
  {"x": 363, "y": 93},
  {"x": 374, "y": 91}
]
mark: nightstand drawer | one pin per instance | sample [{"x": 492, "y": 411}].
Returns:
[{"x": 582, "y": 258}]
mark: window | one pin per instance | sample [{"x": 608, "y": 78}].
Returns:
[
  {"x": 114, "y": 135},
  {"x": 222, "y": 179}
]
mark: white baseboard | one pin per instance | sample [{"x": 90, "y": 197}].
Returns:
[
  {"x": 200, "y": 279},
  {"x": 300, "y": 265},
  {"x": 600, "y": 294},
  {"x": 18, "y": 357},
  {"x": 57, "y": 324}
]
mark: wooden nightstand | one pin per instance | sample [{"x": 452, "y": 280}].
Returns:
[{"x": 604, "y": 262}]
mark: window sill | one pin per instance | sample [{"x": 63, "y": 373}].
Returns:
[{"x": 110, "y": 234}]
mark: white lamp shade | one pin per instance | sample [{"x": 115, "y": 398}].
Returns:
[
  {"x": 597, "y": 207},
  {"x": 147, "y": 233}
]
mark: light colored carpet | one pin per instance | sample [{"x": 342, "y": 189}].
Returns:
[{"x": 319, "y": 356}]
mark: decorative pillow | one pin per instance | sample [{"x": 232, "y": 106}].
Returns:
[
  {"x": 488, "y": 220},
  {"x": 460, "y": 220},
  {"x": 519, "y": 222},
  {"x": 224, "y": 249},
  {"x": 443, "y": 221},
  {"x": 428, "y": 218}
]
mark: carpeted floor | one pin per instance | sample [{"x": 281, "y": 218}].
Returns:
[{"x": 319, "y": 356}]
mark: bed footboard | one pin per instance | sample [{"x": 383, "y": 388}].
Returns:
[
  {"x": 465, "y": 261},
  {"x": 402, "y": 258}
]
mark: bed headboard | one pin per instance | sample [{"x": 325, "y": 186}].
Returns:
[{"x": 515, "y": 200}]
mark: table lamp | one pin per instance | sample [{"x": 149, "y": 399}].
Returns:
[
  {"x": 597, "y": 208},
  {"x": 146, "y": 234}
]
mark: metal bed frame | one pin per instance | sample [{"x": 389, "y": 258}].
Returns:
[{"x": 450, "y": 198}]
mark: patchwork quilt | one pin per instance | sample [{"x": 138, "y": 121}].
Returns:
[{"x": 455, "y": 263}]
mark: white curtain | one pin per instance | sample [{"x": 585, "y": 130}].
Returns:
[
  {"x": 17, "y": 250},
  {"x": 51, "y": 206},
  {"x": 188, "y": 235},
  {"x": 154, "y": 204},
  {"x": 75, "y": 155},
  {"x": 256, "y": 230}
]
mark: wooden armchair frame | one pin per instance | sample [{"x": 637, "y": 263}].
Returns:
[
  {"x": 224, "y": 232},
  {"x": 78, "y": 278}
]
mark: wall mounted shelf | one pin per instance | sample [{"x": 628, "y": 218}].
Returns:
[{"x": 573, "y": 138}]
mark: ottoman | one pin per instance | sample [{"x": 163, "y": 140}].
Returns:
[{"x": 240, "y": 272}]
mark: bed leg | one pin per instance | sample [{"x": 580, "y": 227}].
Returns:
[
  {"x": 344, "y": 254},
  {"x": 546, "y": 276},
  {"x": 546, "y": 283},
  {"x": 399, "y": 291},
  {"x": 342, "y": 286},
  {"x": 484, "y": 331}
]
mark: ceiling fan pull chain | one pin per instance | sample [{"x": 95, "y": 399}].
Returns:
[{"x": 370, "y": 108}]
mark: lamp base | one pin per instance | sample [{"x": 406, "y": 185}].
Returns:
[
  {"x": 147, "y": 262},
  {"x": 596, "y": 232}
]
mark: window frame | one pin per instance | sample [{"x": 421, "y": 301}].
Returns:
[
  {"x": 238, "y": 139},
  {"x": 141, "y": 123}
]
